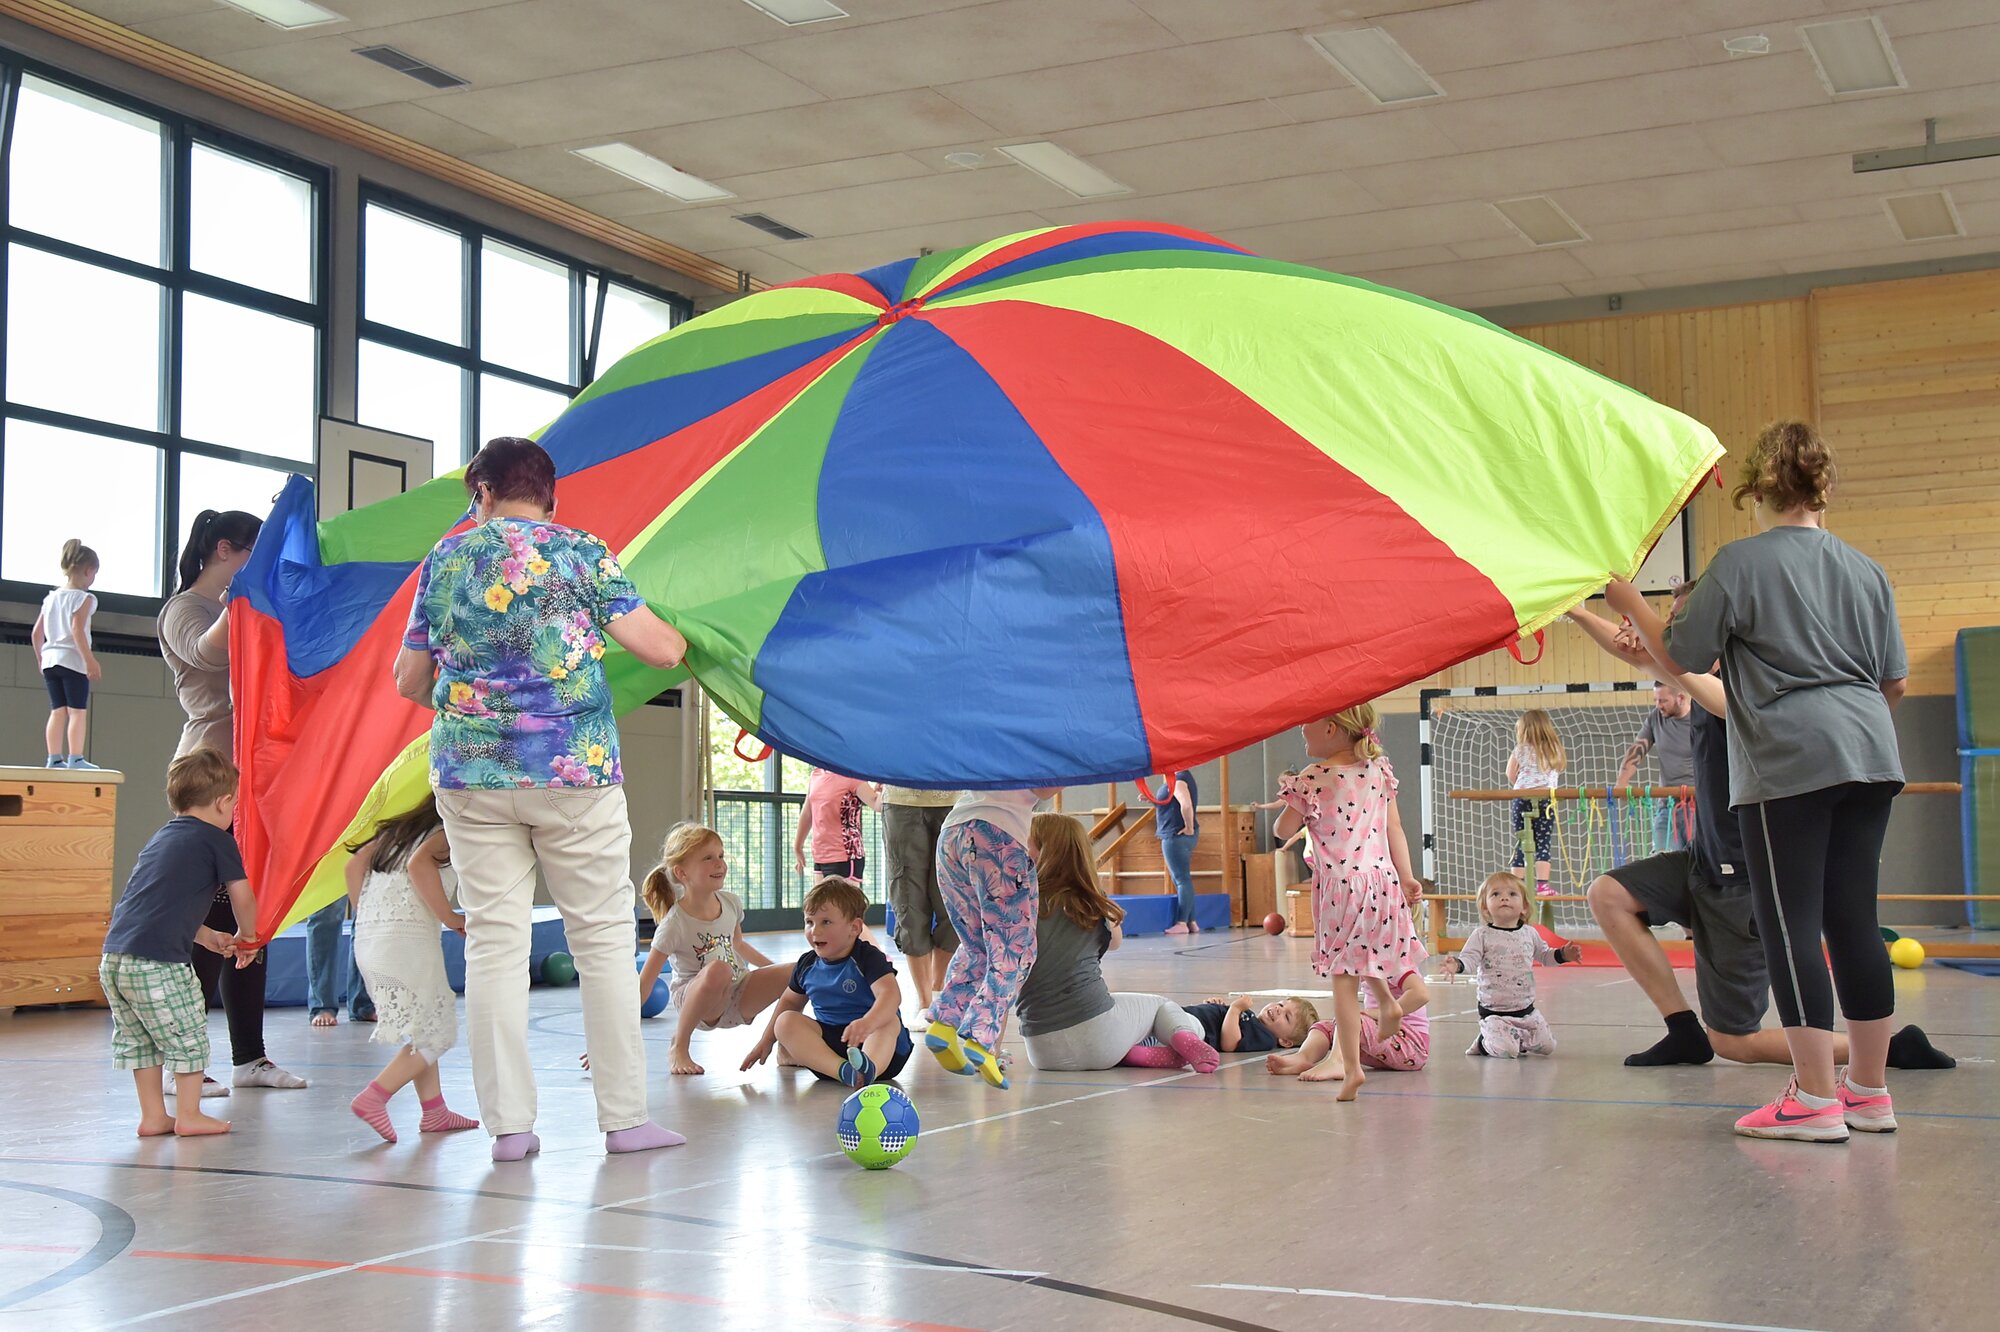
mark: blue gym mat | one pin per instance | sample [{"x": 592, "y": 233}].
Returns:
[{"x": 1978, "y": 966}]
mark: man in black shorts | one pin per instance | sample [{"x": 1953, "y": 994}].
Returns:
[{"x": 1707, "y": 889}]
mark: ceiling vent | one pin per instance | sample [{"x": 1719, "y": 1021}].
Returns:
[
  {"x": 1853, "y": 56},
  {"x": 770, "y": 226},
  {"x": 1924, "y": 217},
  {"x": 405, "y": 63},
  {"x": 1540, "y": 220}
]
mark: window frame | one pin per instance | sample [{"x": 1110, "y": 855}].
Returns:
[
  {"x": 586, "y": 324},
  {"x": 178, "y": 279}
]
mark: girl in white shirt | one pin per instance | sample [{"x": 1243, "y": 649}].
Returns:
[{"x": 62, "y": 645}]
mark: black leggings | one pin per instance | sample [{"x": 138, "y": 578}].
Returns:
[
  {"x": 242, "y": 991},
  {"x": 1814, "y": 863}
]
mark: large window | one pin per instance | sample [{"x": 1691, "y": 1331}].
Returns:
[
  {"x": 466, "y": 334},
  {"x": 165, "y": 330}
]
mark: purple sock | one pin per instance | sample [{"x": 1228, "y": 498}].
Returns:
[
  {"x": 515, "y": 1146},
  {"x": 644, "y": 1137}
]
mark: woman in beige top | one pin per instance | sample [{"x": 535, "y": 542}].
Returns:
[{"x": 194, "y": 638}]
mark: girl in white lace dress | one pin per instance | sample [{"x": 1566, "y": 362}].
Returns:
[{"x": 399, "y": 902}]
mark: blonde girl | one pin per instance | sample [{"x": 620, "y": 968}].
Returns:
[
  {"x": 1362, "y": 882},
  {"x": 61, "y": 640},
  {"x": 700, "y": 930},
  {"x": 1537, "y": 763},
  {"x": 395, "y": 883},
  {"x": 1502, "y": 951}
]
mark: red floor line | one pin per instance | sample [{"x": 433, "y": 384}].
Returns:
[{"x": 579, "y": 1287}]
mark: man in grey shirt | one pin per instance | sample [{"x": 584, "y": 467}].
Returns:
[{"x": 1669, "y": 736}]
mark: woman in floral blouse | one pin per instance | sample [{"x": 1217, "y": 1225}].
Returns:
[{"x": 506, "y": 643}]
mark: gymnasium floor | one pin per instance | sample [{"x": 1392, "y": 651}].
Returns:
[{"x": 1475, "y": 1195}]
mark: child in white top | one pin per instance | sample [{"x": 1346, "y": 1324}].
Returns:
[
  {"x": 1502, "y": 952},
  {"x": 397, "y": 888},
  {"x": 700, "y": 930},
  {"x": 1537, "y": 764},
  {"x": 61, "y": 640}
]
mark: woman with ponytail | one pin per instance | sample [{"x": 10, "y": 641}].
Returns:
[
  {"x": 194, "y": 638},
  {"x": 1813, "y": 660}
]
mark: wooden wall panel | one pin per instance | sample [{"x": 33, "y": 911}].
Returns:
[{"x": 1909, "y": 397}]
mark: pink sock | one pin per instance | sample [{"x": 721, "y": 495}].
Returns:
[
  {"x": 1151, "y": 1056},
  {"x": 515, "y": 1146},
  {"x": 371, "y": 1107},
  {"x": 441, "y": 1118},
  {"x": 1200, "y": 1055},
  {"x": 641, "y": 1138}
]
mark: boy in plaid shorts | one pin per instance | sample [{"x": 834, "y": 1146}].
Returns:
[{"x": 158, "y": 1016}]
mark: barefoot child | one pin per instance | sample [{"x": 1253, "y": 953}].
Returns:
[
  {"x": 700, "y": 931},
  {"x": 1362, "y": 882},
  {"x": 158, "y": 1016},
  {"x": 1502, "y": 952},
  {"x": 61, "y": 642},
  {"x": 395, "y": 885},
  {"x": 986, "y": 876},
  {"x": 855, "y": 1034},
  {"x": 1407, "y": 1051}
]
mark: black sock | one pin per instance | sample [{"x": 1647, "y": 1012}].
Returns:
[
  {"x": 1684, "y": 1043},
  {"x": 1910, "y": 1048}
]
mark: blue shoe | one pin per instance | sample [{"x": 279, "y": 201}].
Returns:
[
  {"x": 859, "y": 1070},
  {"x": 58, "y": 761},
  {"x": 78, "y": 761}
]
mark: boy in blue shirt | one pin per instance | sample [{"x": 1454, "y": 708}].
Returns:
[
  {"x": 855, "y": 1034},
  {"x": 159, "y": 1018}
]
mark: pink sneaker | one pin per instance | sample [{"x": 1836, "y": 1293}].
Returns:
[
  {"x": 1545, "y": 889},
  {"x": 1866, "y": 1114},
  {"x": 1789, "y": 1117}
]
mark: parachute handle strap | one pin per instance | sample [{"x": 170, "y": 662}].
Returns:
[
  {"x": 759, "y": 757},
  {"x": 1541, "y": 646},
  {"x": 1147, "y": 791}
]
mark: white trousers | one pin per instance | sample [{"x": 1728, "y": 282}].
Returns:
[
  {"x": 1509, "y": 1037},
  {"x": 583, "y": 842}
]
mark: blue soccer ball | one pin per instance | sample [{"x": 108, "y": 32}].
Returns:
[
  {"x": 878, "y": 1126},
  {"x": 655, "y": 1003}
]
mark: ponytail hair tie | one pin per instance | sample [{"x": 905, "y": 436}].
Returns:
[{"x": 1369, "y": 734}]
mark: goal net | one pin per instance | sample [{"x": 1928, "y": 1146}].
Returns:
[{"x": 1467, "y": 735}]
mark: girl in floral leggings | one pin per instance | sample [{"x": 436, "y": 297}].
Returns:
[{"x": 987, "y": 880}]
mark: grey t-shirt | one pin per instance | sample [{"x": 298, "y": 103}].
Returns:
[
  {"x": 1672, "y": 739},
  {"x": 1066, "y": 984},
  {"x": 1806, "y": 629},
  {"x": 201, "y": 679}
]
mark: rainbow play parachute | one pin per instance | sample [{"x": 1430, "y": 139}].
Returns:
[{"x": 1078, "y": 504}]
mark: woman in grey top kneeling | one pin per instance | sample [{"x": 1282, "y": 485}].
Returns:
[{"x": 1070, "y": 1020}]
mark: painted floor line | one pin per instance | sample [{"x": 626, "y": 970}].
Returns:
[
  {"x": 665, "y": 1252},
  {"x": 1549, "y": 1312},
  {"x": 325, "y": 1267}
]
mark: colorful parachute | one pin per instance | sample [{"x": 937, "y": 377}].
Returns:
[{"x": 1078, "y": 504}]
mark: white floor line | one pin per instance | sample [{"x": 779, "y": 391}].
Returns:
[
  {"x": 1505, "y": 1308},
  {"x": 398, "y": 1256},
  {"x": 1087, "y": 1096}
]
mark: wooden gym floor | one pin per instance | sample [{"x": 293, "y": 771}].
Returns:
[{"x": 1475, "y": 1195}]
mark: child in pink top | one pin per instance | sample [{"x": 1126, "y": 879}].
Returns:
[
  {"x": 832, "y": 819},
  {"x": 1362, "y": 883},
  {"x": 1407, "y": 1051}
]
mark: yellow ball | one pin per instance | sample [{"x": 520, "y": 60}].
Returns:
[{"x": 1906, "y": 953}]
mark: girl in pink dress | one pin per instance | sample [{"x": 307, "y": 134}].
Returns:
[{"x": 1362, "y": 885}]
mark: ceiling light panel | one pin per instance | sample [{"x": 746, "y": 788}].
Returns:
[
  {"x": 1541, "y": 221},
  {"x": 1853, "y": 56},
  {"x": 1379, "y": 67},
  {"x": 1064, "y": 169},
  {"x": 651, "y": 172},
  {"x": 287, "y": 13},
  {"x": 792, "y": 13},
  {"x": 1927, "y": 216}
]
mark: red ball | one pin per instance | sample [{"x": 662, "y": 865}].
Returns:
[{"x": 1274, "y": 923}]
